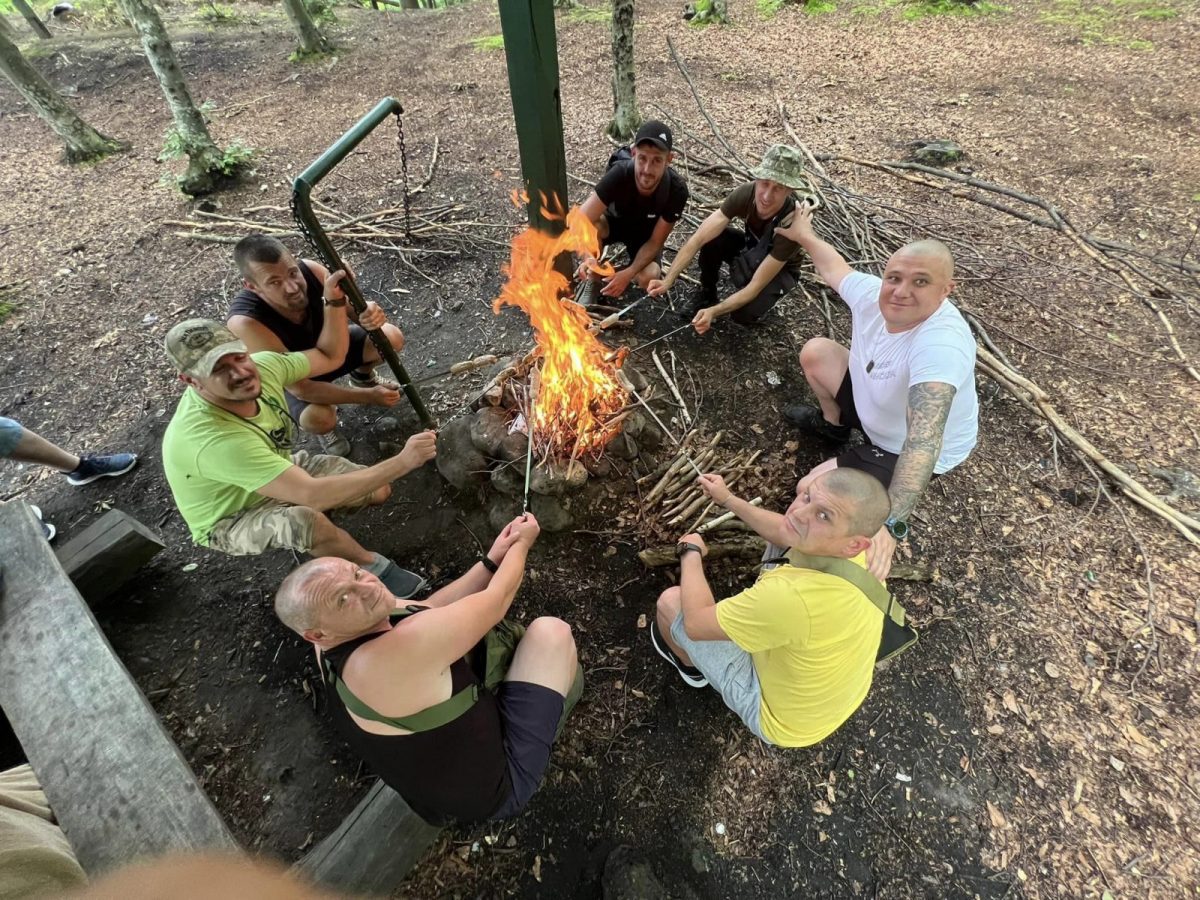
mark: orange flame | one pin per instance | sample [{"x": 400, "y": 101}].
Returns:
[{"x": 578, "y": 388}]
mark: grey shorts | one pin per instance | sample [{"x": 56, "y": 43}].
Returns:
[
  {"x": 10, "y": 435},
  {"x": 276, "y": 525},
  {"x": 730, "y": 670}
]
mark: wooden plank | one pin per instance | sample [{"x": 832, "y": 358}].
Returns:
[
  {"x": 114, "y": 778},
  {"x": 106, "y": 554},
  {"x": 374, "y": 847}
]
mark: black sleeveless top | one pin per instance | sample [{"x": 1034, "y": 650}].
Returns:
[
  {"x": 295, "y": 337},
  {"x": 455, "y": 772}
]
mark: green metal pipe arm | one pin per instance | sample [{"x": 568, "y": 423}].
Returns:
[{"x": 303, "y": 211}]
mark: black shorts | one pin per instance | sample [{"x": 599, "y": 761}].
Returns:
[
  {"x": 865, "y": 457},
  {"x": 354, "y": 360},
  {"x": 632, "y": 235},
  {"x": 529, "y": 715}
]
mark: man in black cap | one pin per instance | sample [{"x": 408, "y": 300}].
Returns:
[{"x": 637, "y": 203}]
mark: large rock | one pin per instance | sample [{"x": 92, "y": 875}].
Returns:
[
  {"x": 457, "y": 459},
  {"x": 489, "y": 428},
  {"x": 502, "y": 510},
  {"x": 514, "y": 446},
  {"x": 552, "y": 514},
  {"x": 936, "y": 153},
  {"x": 622, "y": 447},
  {"x": 509, "y": 480},
  {"x": 557, "y": 478}
]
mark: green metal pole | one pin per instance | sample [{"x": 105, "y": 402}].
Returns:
[
  {"x": 531, "y": 47},
  {"x": 303, "y": 211}
]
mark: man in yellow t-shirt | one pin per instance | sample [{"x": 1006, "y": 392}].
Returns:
[{"x": 793, "y": 654}]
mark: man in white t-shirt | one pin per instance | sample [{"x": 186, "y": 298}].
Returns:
[{"x": 907, "y": 381}]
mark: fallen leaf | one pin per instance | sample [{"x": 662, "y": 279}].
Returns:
[
  {"x": 1140, "y": 739},
  {"x": 995, "y": 729},
  {"x": 537, "y": 868},
  {"x": 641, "y": 622},
  {"x": 1010, "y": 702},
  {"x": 190, "y": 567},
  {"x": 1116, "y": 764},
  {"x": 822, "y": 808},
  {"x": 1052, "y": 670},
  {"x": 997, "y": 817}
]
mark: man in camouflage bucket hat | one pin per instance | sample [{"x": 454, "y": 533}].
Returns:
[
  {"x": 762, "y": 265},
  {"x": 229, "y": 458}
]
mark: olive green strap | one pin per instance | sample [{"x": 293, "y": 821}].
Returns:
[
  {"x": 426, "y": 720},
  {"x": 872, "y": 587}
]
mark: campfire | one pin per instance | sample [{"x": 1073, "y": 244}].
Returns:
[
  {"x": 573, "y": 387},
  {"x": 570, "y": 397}
]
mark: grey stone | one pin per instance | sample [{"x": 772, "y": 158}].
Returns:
[
  {"x": 599, "y": 468},
  {"x": 936, "y": 153},
  {"x": 622, "y": 447},
  {"x": 387, "y": 424},
  {"x": 489, "y": 427},
  {"x": 557, "y": 478},
  {"x": 636, "y": 378},
  {"x": 634, "y": 423},
  {"x": 651, "y": 437},
  {"x": 513, "y": 447},
  {"x": 457, "y": 459},
  {"x": 502, "y": 510},
  {"x": 552, "y": 514},
  {"x": 509, "y": 480},
  {"x": 628, "y": 876},
  {"x": 388, "y": 449}
]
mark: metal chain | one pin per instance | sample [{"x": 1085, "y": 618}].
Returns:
[
  {"x": 404, "y": 175},
  {"x": 303, "y": 228}
]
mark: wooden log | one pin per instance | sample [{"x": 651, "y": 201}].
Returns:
[
  {"x": 117, "y": 783},
  {"x": 374, "y": 847},
  {"x": 106, "y": 554}
]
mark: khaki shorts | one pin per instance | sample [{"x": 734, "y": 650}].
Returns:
[{"x": 276, "y": 525}]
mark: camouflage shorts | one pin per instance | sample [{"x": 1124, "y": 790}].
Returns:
[{"x": 276, "y": 525}]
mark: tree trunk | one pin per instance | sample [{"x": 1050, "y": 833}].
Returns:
[
  {"x": 82, "y": 141},
  {"x": 626, "y": 118},
  {"x": 5, "y": 29},
  {"x": 565, "y": 4},
  {"x": 409, "y": 4},
  {"x": 312, "y": 42},
  {"x": 38, "y": 26},
  {"x": 720, "y": 12},
  {"x": 204, "y": 157}
]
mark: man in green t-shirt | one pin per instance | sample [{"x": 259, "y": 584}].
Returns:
[
  {"x": 228, "y": 451},
  {"x": 762, "y": 265},
  {"x": 792, "y": 655}
]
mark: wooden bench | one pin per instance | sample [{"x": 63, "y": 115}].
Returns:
[
  {"x": 106, "y": 554},
  {"x": 116, "y": 781}
]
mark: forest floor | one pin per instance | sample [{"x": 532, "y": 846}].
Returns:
[{"x": 1041, "y": 739}]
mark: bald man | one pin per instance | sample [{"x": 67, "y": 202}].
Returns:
[
  {"x": 793, "y": 654},
  {"x": 907, "y": 381}
]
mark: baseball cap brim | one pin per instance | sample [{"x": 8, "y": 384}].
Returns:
[
  {"x": 656, "y": 141},
  {"x": 203, "y": 368}
]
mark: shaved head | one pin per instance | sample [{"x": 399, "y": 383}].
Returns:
[
  {"x": 866, "y": 499},
  {"x": 297, "y": 600},
  {"x": 937, "y": 253}
]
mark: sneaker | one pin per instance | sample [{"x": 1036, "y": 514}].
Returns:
[
  {"x": 811, "y": 419},
  {"x": 93, "y": 467},
  {"x": 590, "y": 295},
  {"x": 401, "y": 582},
  {"x": 370, "y": 380},
  {"x": 48, "y": 529},
  {"x": 691, "y": 676},
  {"x": 334, "y": 444}
]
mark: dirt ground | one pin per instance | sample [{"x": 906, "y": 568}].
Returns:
[{"x": 1040, "y": 741}]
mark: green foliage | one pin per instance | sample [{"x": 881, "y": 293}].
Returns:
[
  {"x": 174, "y": 146},
  {"x": 819, "y": 7},
  {"x": 489, "y": 42},
  {"x": 8, "y": 305},
  {"x": 1108, "y": 21},
  {"x": 703, "y": 13},
  {"x": 590, "y": 15},
  {"x": 768, "y": 8},
  {"x": 236, "y": 157},
  {"x": 213, "y": 13},
  {"x": 921, "y": 9}
]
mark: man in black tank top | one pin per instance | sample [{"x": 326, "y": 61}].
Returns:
[
  {"x": 280, "y": 309},
  {"x": 409, "y": 701}
]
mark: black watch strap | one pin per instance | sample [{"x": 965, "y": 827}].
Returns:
[
  {"x": 489, "y": 565},
  {"x": 685, "y": 547}
]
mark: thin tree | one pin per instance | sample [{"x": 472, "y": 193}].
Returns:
[
  {"x": 35, "y": 23},
  {"x": 206, "y": 164},
  {"x": 82, "y": 141},
  {"x": 312, "y": 42},
  {"x": 626, "y": 118}
]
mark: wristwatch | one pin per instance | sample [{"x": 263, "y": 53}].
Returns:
[
  {"x": 489, "y": 564},
  {"x": 897, "y": 528},
  {"x": 336, "y": 304},
  {"x": 685, "y": 547}
]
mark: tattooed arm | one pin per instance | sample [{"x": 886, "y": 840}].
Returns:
[{"x": 928, "y": 409}]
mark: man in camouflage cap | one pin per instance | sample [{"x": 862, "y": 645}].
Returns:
[
  {"x": 229, "y": 457},
  {"x": 762, "y": 265}
]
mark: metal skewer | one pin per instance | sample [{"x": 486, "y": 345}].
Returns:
[{"x": 661, "y": 337}]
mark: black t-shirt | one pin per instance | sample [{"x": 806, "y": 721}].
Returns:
[
  {"x": 295, "y": 337},
  {"x": 617, "y": 189}
]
